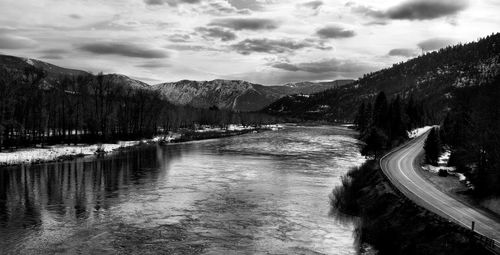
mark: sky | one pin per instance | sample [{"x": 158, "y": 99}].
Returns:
[{"x": 261, "y": 41}]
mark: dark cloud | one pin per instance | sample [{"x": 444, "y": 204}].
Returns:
[
  {"x": 414, "y": 9},
  {"x": 403, "y": 52},
  {"x": 52, "y": 53},
  {"x": 8, "y": 41},
  {"x": 223, "y": 8},
  {"x": 122, "y": 49},
  {"x": 435, "y": 43},
  {"x": 171, "y": 2},
  {"x": 426, "y": 9},
  {"x": 190, "y": 47},
  {"x": 324, "y": 66},
  {"x": 334, "y": 32},
  {"x": 75, "y": 16},
  {"x": 216, "y": 32},
  {"x": 246, "y": 4},
  {"x": 179, "y": 38},
  {"x": 249, "y": 46},
  {"x": 153, "y": 64},
  {"x": 313, "y": 4},
  {"x": 246, "y": 23}
]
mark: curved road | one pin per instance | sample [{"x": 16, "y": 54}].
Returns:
[{"x": 401, "y": 166}]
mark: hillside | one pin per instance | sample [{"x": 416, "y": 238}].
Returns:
[
  {"x": 235, "y": 94},
  {"x": 54, "y": 74},
  {"x": 431, "y": 78}
]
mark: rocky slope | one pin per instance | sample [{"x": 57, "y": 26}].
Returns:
[{"x": 235, "y": 94}]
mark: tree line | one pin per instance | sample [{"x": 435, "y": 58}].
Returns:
[
  {"x": 93, "y": 108},
  {"x": 471, "y": 131},
  {"x": 385, "y": 123}
]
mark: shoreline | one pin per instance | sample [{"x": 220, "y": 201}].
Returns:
[{"x": 60, "y": 152}]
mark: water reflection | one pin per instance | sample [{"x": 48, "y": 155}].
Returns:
[{"x": 256, "y": 193}]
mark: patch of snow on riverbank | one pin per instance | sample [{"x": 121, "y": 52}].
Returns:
[
  {"x": 51, "y": 153},
  {"x": 419, "y": 131}
]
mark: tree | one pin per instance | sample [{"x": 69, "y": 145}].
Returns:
[
  {"x": 432, "y": 147},
  {"x": 380, "y": 111},
  {"x": 375, "y": 142}
]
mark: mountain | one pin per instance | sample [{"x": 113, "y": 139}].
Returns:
[
  {"x": 55, "y": 73},
  {"x": 225, "y": 94},
  {"x": 430, "y": 78},
  {"x": 236, "y": 94}
]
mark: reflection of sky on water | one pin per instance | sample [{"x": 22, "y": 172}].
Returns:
[{"x": 265, "y": 192}]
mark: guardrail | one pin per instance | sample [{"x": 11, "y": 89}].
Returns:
[{"x": 489, "y": 244}]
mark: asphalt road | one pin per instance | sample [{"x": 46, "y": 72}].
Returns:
[{"x": 401, "y": 167}]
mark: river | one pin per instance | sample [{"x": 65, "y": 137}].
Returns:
[{"x": 259, "y": 193}]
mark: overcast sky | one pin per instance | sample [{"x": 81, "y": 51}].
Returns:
[{"x": 262, "y": 41}]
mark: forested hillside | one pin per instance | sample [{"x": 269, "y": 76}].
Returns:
[
  {"x": 56, "y": 105},
  {"x": 471, "y": 130},
  {"x": 431, "y": 78}
]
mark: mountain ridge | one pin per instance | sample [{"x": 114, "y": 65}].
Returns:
[
  {"x": 237, "y": 95},
  {"x": 431, "y": 78}
]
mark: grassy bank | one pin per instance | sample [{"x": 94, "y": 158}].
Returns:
[{"x": 393, "y": 224}]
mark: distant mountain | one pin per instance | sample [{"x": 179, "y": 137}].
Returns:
[
  {"x": 54, "y": 73},
  {"x": 236, "y": 94},
  {"x": 225, "y": 94},
  {"x": 431, "y": 78}
]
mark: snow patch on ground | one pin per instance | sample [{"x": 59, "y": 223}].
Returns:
[
  {"x": 443, "y": 165},
  {"x": 419, "y": 131},
  {"x": 51, "y": 153}
]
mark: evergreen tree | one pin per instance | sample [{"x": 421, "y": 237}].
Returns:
[
  {"x": 432, "y": 147},
  {"x": 362, "y": 119},
  {"x": 380, "y": 111},
  {"x": 397, "y": 125},
  {"x": 375, "y": 143}
]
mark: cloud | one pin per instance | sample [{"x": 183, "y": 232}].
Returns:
[
  {"x": 75, "y": 16},
  {"x": 273, "y": 46},
  {"x": 426, "y": 9},
  {"x": 334, "y": 31},
  {"x": 216, "y": 32},
  {"x": 16, "y": 42},
  {"x": 153, "y": 64},
  {"x": 53, "y": 53},
  {"x": 171, "y": 2},
  {"x": 246, "y": 23},
  {"x": 435, "y": 43},
  {"x": 246, "y": 4},
  {"x": 313, "y": 4},
  {"x": 414, "y": 9},
  {"x": 222, "y": 8},
  {"x": 403, "y": 52},
  {"x": 324, "y": 66},
  {"x": 122, "y": 49},
  {"x": 189, "y": 47},
  {"x": 179, "y": 38}
]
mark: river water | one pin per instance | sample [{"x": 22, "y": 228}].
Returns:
[{"x": 262, "y": 193}]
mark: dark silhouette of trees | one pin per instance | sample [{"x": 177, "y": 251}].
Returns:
[
  {"x": 94, "y": 108},
  {"x": 471, "y": 130},
  {"x": 432, "y": 147},
  {"x": 386, "y": 124}
]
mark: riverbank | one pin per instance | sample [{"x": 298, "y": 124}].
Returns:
[
  {"x": 393, "y": 224},
  {"x": 35, "y": 155}
]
